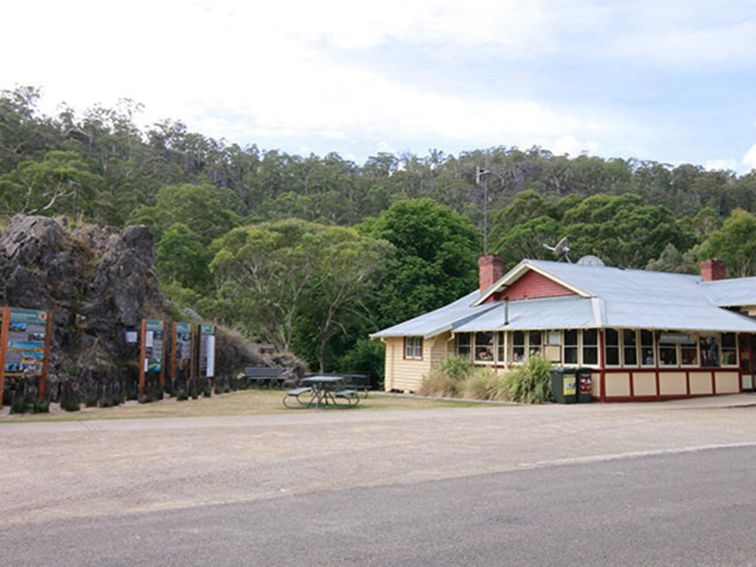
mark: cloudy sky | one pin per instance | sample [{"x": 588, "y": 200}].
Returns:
[{"x": 673, "y": 81}]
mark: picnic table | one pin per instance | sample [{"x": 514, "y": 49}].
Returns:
[{"x": 320, "y": 391}]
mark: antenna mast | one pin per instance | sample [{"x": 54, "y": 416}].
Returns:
[{"x": 483, "y": 173}]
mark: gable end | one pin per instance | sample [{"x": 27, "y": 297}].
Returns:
[{"x": 533, "y": 285}]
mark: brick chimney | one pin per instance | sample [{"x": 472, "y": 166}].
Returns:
[
  {"x": 490, "y": 269},
  {"x": 713, "y": 269}
]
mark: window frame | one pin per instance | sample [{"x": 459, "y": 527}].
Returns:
[
  {"x": 635, "y": 347},
  {"x": 697, "y": 361},
  {"x": 491, "y": 346},
  {"x": 722, "y": 350},
  {"x": 596, "y": 346},
  {"x": 413, "y": 342},
  {"x": 575, "y": 346},
  {"x": 643, "y": 346},
  {"x": 616, "y": 346}
]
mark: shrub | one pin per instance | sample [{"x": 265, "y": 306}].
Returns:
[
  {"x": 41, "y": 406},
  {"x": 21, "y": 402},
  {"x": 457, "y": 368},
  {"x": 69, "y": 397},
  {"x": 484, "y": 384},
  {"x": 530, "y": 384},
  {"x": 438, "y": 383}
]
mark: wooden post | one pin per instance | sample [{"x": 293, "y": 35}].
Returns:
[
  {"x": 142, "y": 354},
  {"x": 172, "y": 368},
  {"x": 46, "y": 361},
  {"x": 162, "y": 356},
  {"x": 192, "y": 355},
  {"x": 3, "y": 349}
]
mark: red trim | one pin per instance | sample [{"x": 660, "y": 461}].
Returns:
[
  {"x": 687, "y": 382},
  {"x": 673, "y": 369},
  {"x": 614, "y": 399}
]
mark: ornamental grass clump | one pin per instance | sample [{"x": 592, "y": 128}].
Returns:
[
  {"x": 447, "y": 381},
  {"x": 530, "y": 383},
  {"x": 484, "y": 384}
]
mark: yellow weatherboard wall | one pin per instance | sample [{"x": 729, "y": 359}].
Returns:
[{"x": 407, "y": 374}]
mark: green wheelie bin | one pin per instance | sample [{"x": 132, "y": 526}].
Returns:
[{"x": 563, "y": 385}]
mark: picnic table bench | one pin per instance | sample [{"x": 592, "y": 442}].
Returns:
[
  {"x": 360, "y": 382},
  {"x": 320, "y": 392},
  {"x": 264, "y": 376}
]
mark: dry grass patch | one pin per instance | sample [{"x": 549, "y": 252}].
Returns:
[{"x": 242, "y": 402}]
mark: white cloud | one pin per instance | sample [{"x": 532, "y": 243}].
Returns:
[
  {"x": 245, "y": 71},
  {"x": 749, "y": 159},
  {"x": 571, "y": 146}
]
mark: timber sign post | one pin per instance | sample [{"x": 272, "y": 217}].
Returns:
[
  {"x": 25, "y": 347},
  {"x": 152, "y": 356},
  {"x": 205, "y": 361},
  {"x": 179, "y": 371}
]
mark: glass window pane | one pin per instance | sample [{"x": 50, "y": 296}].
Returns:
[
  {"x": 668, "y": 355},
  {"x": 612, "y": 356},
  {"x": 612, "y": 337},
  {"x": 689, "y": 355},
  {"x": 590, "y": 346},
  {"x": 590, "y": 337},
  {"x": 590, "y": 355},
  {"x": 570, "y": 355},
  {"x": 484, "y": 347},
  {"x": 571, "y": 337},
  {"x": 554, "y": 338},
  {"x": 709, "y": 351}
]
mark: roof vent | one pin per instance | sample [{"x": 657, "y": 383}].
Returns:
[{"x": 590, "y": 261}]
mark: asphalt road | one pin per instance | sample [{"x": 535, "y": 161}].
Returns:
[{"x": 680, "y": 508}]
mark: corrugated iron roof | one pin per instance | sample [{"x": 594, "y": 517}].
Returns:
[
  {"x": 621, "y": 298},
  {"x": 728, "y": 293}
]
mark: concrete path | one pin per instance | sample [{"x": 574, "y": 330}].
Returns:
[{"x": 53, "y": 471}]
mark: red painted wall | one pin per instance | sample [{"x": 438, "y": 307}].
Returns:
[{"x": 533, "y": 285}]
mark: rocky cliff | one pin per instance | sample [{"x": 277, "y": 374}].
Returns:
[{"x": 99, "y": 282}]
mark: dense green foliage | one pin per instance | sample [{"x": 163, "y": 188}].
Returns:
[{"x": 219, "y": 211}]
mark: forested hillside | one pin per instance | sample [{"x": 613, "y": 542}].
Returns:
[{"x": 312, "y": 253}]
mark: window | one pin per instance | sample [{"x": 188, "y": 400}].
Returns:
[
  {"x": 729, "y": 349},
  {"x": 463, "y": 345},
  {"x": 484, "y": 347},
  {"x": 648, "y": 358},
  {"x": 535, "y": 343},
  {"x": 612, "y": 338},
  {"x": 413, "y": 348},
  {"x": 689, "y": 351},
  {"x": 630, "y": 347},
  {"x": 552, "y": 350},
  {"x": 553, "y": 338},
  {"x": 590, "y": 346},
  {"x": 518, "y": 346},
  {"x": 571, "y": 346},
  {"x": 709, "y": 351},
  {"x": 667, "y": 350},
  {"x": 500, "y": 346}
]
